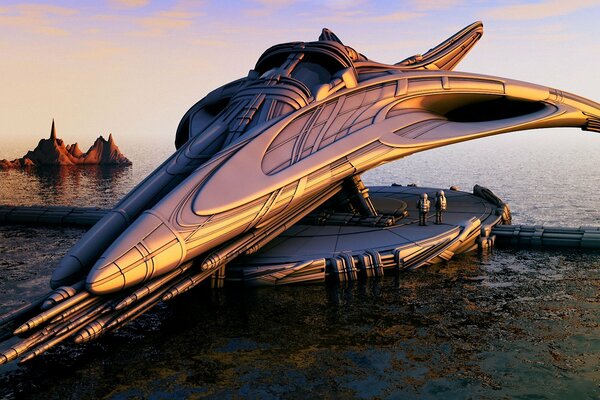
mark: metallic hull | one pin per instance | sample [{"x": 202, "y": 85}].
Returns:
[
  {"x": 269, "y": 171},
  {"x": 260, "y": 153}
]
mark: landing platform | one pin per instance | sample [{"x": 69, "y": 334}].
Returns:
[{"x": 313, "y": 252}]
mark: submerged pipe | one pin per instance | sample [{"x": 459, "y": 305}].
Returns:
[
  {"x": 152, "y": 286},
  {"x": 23, "y": 311},
  {"x": 48, "y": 314},
  {"x": 62, "y": 293},
  {"x": 548, "y": 236}
]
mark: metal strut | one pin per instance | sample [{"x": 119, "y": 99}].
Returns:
[
  {"x": 357, "y": 196},
  {"x": 353, "y": 206}
]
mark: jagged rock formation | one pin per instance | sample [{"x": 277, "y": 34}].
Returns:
[{"x": 53, "y": 151}]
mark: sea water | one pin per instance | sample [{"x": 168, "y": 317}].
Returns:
[{"x": 515, "y": 323}]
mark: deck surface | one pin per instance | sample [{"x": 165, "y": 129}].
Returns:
[{"x": 313, "y": 241}]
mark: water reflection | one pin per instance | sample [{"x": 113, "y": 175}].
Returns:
[
  {"x": 80, "y": 185},
  {"x": 507, "y": 325},
  {"x": 89, "y": 185}
]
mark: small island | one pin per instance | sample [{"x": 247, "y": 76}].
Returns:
[{"x": 53, "y": 151}]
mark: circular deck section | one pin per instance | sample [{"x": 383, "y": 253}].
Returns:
[{"x": 309, "y": 252}]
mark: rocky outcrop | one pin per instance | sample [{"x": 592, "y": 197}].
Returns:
[
  {"x": 105, "y": 152},
  {"x": 53, "y": 151},
  {"x": 74, "y": 150}
]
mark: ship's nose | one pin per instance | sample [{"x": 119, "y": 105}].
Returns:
[
  {"x": 105, "y": 278},
  {"x": 148, "y": 248}
]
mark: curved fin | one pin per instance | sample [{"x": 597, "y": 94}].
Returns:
[{"x": 449, "y": 53}]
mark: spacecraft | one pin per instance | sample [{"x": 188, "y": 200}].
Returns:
[{"x": 257, "y": 155}]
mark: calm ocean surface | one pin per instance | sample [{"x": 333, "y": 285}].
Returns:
[{"x": 516, "y": 323}]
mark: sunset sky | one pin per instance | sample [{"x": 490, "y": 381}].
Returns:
[{"x": 134, "y": 67}]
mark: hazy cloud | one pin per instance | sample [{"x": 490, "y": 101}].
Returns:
[
  {"x": 178, "y": 18},
  {"x": 275, "y": 3},
  {"x": 393, "y": 17},
  {"x": 363, "y": 17},
  {"x": 213, "y": 41},
  {"x": 537, "y": 33},
  {"x": 345, "y": 4},
  {"x": 128, "y": 3},
  {"x": 99, "y": 49},
  {"x": 347, "y": 11},
  {"x": 37, "y": 18},
  {"x": 428, "y": 5},
  {"x": 542, "y": 9},
  {"x": 265, "y": 8}
]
